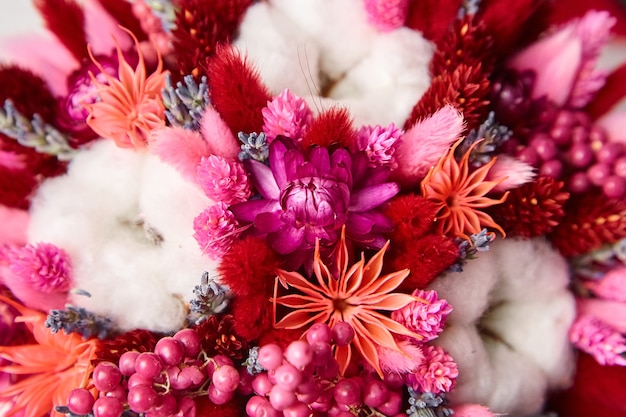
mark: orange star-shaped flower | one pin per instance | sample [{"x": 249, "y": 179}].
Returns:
[
  {"x": 356, "y": 297},
  {"x": 460, "y": 195},
  {"x": 49, "y": 369}
]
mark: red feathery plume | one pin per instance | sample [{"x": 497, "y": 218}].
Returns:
[
  {"x": 426, "y": 258},
  {"x": 237, "y": 92},
  {"x": 332, "y": 127},
  {"x": 591, "y": 221},
  {"x": 219, "y": 337},
  {"x": 467, "y": 42},
  {"x": 249, "y": 267},
  {"x": 29, "y": 92},
  {"x": 282, "y": 337},
  {"x": 466, "y": 88},
  {"x": 201, "y": 25},
  {"x": 610, "y": 94},
  {"x": 16, "y": 188},
  {"x": 138, "y": 340},
  {"x": 122, "y": 11},
  {"x": 432, "y": 17},
  {"x": 534, "y": 209},
  {"x": 412, "y": 217},
  {"x": 252, "y": 316},
  {"x": 66, "y": 20}
]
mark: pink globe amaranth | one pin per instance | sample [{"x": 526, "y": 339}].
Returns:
[{"x": 311, "y": 194}]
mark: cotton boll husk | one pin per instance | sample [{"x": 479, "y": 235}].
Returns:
[
  {"x": 278, "y": 51},
  {"x": 467, "y": 292},
  {"x": 521, "y": 387},
  {"x": 476, "y": 375}
]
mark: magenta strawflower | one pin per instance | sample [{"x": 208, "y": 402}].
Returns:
[
  {"x": 310, "y": 195},
  {"x": 215, "y": 230},
  {"x": 598, "y": 339},
  {"x": 437, "y": 373},
  {"x": 44, "y": 267},
  {"x": 386, "y": 15},
  {"x": 379, "y": 144},
  {"x": 424, "y": 318},
  {"x": 223, "y": 180},
  {"x": 287, "y": 115}
]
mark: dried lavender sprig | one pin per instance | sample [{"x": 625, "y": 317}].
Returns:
[
  {"x": 469, "y": 7},
  {"x": 185, "y": 104},
  {"x": 491, "y": 134},
  {"x": 252, "y": 362},
  {"x": 254, "y": 146},
  {"x": 211, "y": 298},
  {"x": 165, "y": 11},
  {"x": 34, "y": 133},
  {"x": 78, "y": 320},
  {"x": 479, "y": 242},
  {"x": 427, "y": 405}
]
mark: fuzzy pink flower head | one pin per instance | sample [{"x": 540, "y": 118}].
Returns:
[
  {"x": 387, "y": 15},
  {"x": 215, "y": 230},
  {"x": 612, "y": 286},
  {"x": 44, "y": 267},
  {"x": 436, "y": 374},
  {"x": 598, "y": 339},
  {"x": 379, "y": 143},
  {"x": 223, "y": 180},
  {"x": 472, "y": 410},
  {"x": 287, "y": 115},
  {"x": 426, "y": 319}
]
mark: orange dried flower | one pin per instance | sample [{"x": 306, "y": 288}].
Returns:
[
  {"x": 51, "y": 368},
  {"x": 460, "y": 195},
  {"x": 130, "y": 106},
  {"x": 355, "y": 297}
]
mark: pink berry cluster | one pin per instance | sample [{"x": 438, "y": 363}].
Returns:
[
  {"x": 304, "y": 380},
  {"x": 572, "y": 149},
  {"x": 162, "y": 383}
]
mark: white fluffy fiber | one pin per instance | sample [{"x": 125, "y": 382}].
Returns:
[
  {"x": 518, "y": 293},
  {"x": 89, "y": 213},
  {"x": 301, "y": 44}
]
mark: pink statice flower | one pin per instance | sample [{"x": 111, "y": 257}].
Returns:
[
  {"x": 424, "y": 318},
  {"x": 43, "y": 266},
  {"x": 215, "y": 230},
  {"x": 437, "y": 373},
  {"x": 598, "y": 339},
  {"x": 386, "y": 15},
  {"x": 223, "y": 180},
  {"x": 379, "y": 144},
  {"x": 287, "y": 115}
]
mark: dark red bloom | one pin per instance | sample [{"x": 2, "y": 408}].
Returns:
[
  {"x": 432, "y": 17},
  {"x": 591, "y": 221},
  {"x": 237, "y": 92},
  {"x": 332, "y": 127},
  {"x": 200, "y": 26},
  {"x": 218, "y": 337},
  {"x": 66, "y": 20},
  {"x": 411, "y": 215},
  {"x": 610, "y": 94},
  {"x": 252, "y": 316},
  {"x": 138, "y": 340}
]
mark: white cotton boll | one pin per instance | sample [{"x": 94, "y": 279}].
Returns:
[
  {"x": 278, "y": 51},
  {"x": 467, "y": 292},
  {"x": 475, "y": 381},
  {"x": 521, "y": 387}
]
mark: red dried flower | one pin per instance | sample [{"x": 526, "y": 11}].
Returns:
[
  {"x": 591, "y": 221},
  {"x": 201, "y": 25},
  {"x": 219, "y": 338},
  {"x": 122, "y": 11},
  {"x": 332, "y": 127},
  {"x": 237, "y": 92},
  {"x": 412, "y": 217},
  {"x": 465, "y": 88},
  {"x": 432, "y": 17},
  {"x": 533, "y": 209},
  {"x": 252, "y": 315},
  {"x": 138, "y": 340},
  {"x": 249, "y": 267},
  {"x": 610, "y": 94},
  {"x": 65, "y": 18}
]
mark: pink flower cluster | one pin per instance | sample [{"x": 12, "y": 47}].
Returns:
[
  {"x": 424, "y": 318},
  {"x": 223, "y": 180},
  {"x": 598, "y": 339},
  {"x": 44, "y": 267},
  {"x": 215, "y": 230},
  {"x": 379, "y": 144},
  {"x": 437, "y": 373},
  {"x": 287, "y": 115}
]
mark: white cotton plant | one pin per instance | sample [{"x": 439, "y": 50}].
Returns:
[
  {"x": 508, "y": 330},
  {"x": 126, "y": 220},
  {"x": 326, "y": 52}
]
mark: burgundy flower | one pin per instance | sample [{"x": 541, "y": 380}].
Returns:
[{"x": 309, "y": 195}]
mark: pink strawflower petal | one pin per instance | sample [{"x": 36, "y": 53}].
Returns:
[
  {"x": 223, "y": 180},
  {"x": 287, "y": 115},
  {"x": 612, "y": 313},
  {"x": 218, "y": 135},
  {"x": 14, "y": 223},
  {"x": 511, "y": 171},
  {"x": 181, "y": 148},
  {"x": 472, "y": 410},
  {"x": 422, "y": 145},
  {"x": 424, "y": 318},
  {"x": 436, "y": 374},
  {"x": 406, "y": 360},
  {"x": 102, "y": 30},
  {"x": 215, "y": 230},
  {"x": 598, "y": 339},
  {"x": 379, "y": 143},
  {"x": 612, "y": 286},
  {"x": 386, "y": 15}
]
